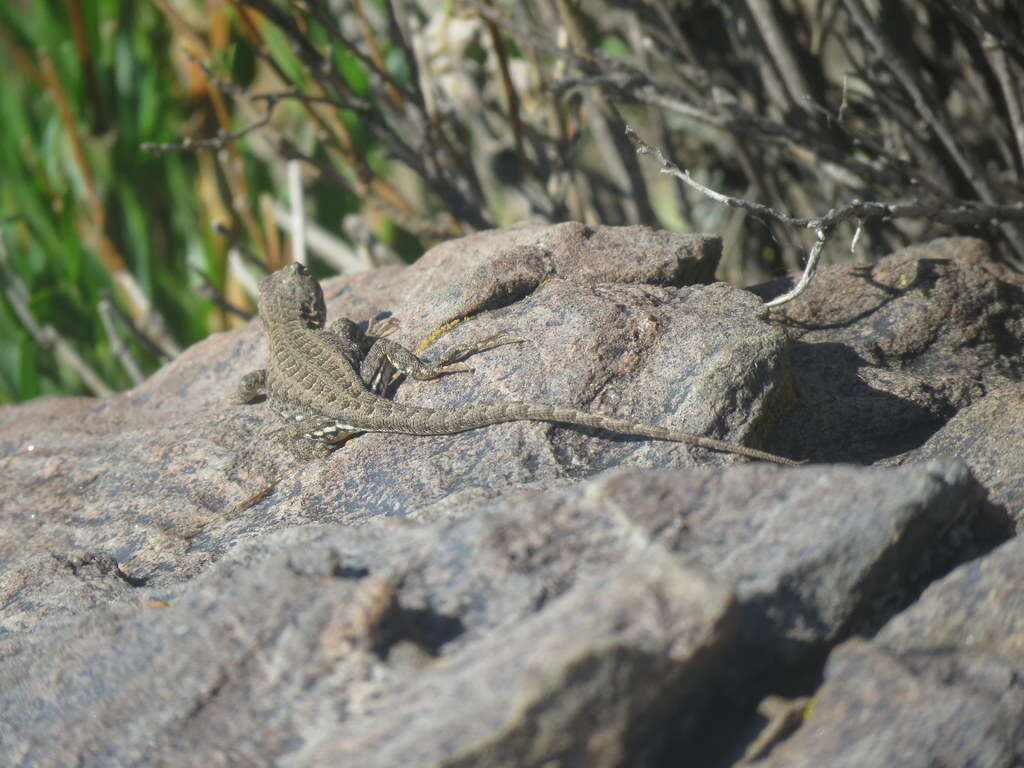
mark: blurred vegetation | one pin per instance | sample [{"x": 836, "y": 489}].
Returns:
[{"x": 153, "y": 153}]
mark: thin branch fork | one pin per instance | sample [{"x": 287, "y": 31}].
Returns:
[
  {"x": 223, "y": 138},
  {"x": 959, "y": 213},
  {"x": 270, "y": 101}
]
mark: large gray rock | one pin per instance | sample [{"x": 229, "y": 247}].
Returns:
[
  {"x": 166, "y": 476},
  {"x": 978, "y": 608},
  {"x": 565, "y": 624},
  {"x": 587, "y": 681},
  {"x": 177, "y": 590},
  {"x": 989, "y": 436},
  {"x": 915, "y": 709},
  {"x": 942, "y": 683},
  {"x": 886, "y": 353}
]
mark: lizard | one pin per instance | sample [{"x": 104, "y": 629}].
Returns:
[{"x": 329, "y": 381}]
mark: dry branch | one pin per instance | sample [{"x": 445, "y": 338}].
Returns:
[{"x": 823, "y": 226}]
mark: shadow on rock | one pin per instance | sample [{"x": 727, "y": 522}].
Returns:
[{"x": 851, "y": 412}]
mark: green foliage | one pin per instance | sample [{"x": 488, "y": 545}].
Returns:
[
  {"x": 431, "y": 121},
  {"x": 74, "y": 179},
  {"x": 121, "y": 93}
]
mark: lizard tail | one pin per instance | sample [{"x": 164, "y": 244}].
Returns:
[{"x": 450, "y": 421}]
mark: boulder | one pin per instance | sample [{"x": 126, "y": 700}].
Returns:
[{"x": 178, "y": 589}]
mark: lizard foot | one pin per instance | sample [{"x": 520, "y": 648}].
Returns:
[{"x": 252, "y": 385}]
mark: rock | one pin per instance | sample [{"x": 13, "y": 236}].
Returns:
[
  {"x": 748, "y": 527},
  {"x": 674, "y": 356},
  {"x": 916, "y": 710},
  {"x": 582, "y": 682},
  {"x": 40, "y": 584},
  {"x": 989, "y": 436},
  {"x": 493, "y": 269},
  {"x": 978, "y": 608},
  {"x": 177, "y": 590},
  {"x": 942, "y": 683},
  {"x": 886, "y": 354},
  {"x": 564, "y": 622},
  {"x": 168, "y": 475},
  {"x": 490, "y": 270}
]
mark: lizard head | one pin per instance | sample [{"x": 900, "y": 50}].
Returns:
[{"x": 291, "y": 294}]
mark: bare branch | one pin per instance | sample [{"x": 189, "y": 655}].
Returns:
[
  {"x": 1009, "y": 83},
  {"x": 153, "y": 340},
  {"x": 220, "y": 141},
  {"x": 813, "y": 258},
  {"x": 961, "y": 213},
  {"x": 905, "y": 76},
  {"x": 297, "y": 212},
  {"x": 117, "y": 346},
  {"x": 958, "y": 212},
  {"x": 208, "y": 292},
  {"x": 778, "y": 45}
]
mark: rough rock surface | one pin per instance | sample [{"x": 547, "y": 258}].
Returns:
[
  {"x": 989, "y": 436},
  {"x": 941, "y": 684},
  {"x": 885, "y": 354},
  {"x": 177, "y": 590},
  {"x": 157, "y": 476}
]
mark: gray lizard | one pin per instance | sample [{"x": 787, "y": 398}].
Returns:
[{"x": 328, "y": 382}]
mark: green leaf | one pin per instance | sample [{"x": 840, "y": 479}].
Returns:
[{"x": 281, "y": 52}]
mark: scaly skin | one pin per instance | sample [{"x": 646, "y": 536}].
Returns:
[{"x": 327, "y": 382}]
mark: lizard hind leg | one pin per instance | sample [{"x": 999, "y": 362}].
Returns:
[
  {"x": 316, "y": 440},
  {"x": 303, "y": 448}
]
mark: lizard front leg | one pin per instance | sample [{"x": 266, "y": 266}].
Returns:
[
  {"x": 356, "y": 344},
  {"x": 387, "y": 355},
  {"x": 251, "y": 386}
]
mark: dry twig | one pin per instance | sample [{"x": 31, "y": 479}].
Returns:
[{"x": 823, "y": 226}]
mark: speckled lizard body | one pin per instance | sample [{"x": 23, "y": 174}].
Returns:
[{"x": 327, "y": 382}]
